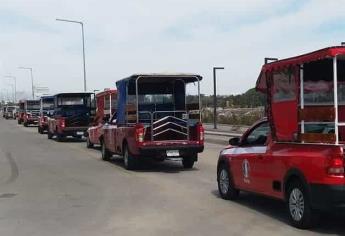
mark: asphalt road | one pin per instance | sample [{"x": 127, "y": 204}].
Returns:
[{"x": 51, "y": 188}]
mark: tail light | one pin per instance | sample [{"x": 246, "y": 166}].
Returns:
[
  {"x": 336, "y": 166},
  {"x": 200, "y": 131},
  {"x": 139, "y": 133},
  {"x": 62, "y": 122}
]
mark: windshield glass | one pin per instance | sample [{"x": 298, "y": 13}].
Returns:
[
  {"x": 33, "y": 105},
  {"x": 74, "y": 101},
  {"x": 68, "y": 111},
  {"x": 48, "y": 104},
  {"x": 156, "y": 99}
]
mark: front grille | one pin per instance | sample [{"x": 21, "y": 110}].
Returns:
[{"x": 77, "y": 121}]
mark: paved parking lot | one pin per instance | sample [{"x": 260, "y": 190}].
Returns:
[{"x": 52, "y": 188}]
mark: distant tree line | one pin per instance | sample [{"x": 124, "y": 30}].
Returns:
[
  {"x": 249, "y": 99},
  {"x": 229, "y": 107}
]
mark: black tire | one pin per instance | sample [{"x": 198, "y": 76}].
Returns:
[
  {"x": 19, "y": 122},
  {"x": 130, "y": 162},
  {"x": 226, "y": 186},
  {"x": 59, "y": 137},
  {"x": 188, "y": 162},
  {"x": 299, "y": 210},
  {"x": 25, "y": 124},
  {"x": 39, "y": 130},
  {"x": 49, "y": 135},
  {"x": 88, "y": 143},
  {"x": 105, "y": 153}
]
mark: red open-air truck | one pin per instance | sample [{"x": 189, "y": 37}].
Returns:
[
  {"x": 154, "y": 120},
  {"x": 297, "y": 154},
  {"x": 106, "y": 106}
]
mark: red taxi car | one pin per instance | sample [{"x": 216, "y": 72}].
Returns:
[{"x": 297, "y": 153}]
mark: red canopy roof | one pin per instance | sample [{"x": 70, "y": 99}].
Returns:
[
  {"x": 106, "y": 92},
  {"x": 298, "y": 60}
]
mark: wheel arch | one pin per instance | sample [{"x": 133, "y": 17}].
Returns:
[
  {"x": 294, "y": 174},
  {"x": 222, "y": 161},
  {"x": 124, "y": 142}
]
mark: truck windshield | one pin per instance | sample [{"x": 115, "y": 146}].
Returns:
[
  {"x": 33, "y": 105},
  {"x": 10, "y": 108},
  {"x": 156, "y": 99},
  {"x": 74, "y": 101},
  {"x": 48, "y": 104}
]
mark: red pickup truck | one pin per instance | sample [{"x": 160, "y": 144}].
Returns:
[
  {"x": 297, "y": 153},
  {"x": 106, "y": 106},
  {"x": 154, "y": 120}
]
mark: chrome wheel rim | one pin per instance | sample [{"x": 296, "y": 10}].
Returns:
[
  {"x": 224, "y": 183},
  {"x": 296, "y": 204}
]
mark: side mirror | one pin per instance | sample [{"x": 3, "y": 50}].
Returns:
[{"x": 234, "y": 141}]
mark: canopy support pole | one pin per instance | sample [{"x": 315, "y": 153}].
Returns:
[
  {"x": 301, "y": 72},
  {"x": 335, "y": 90}
]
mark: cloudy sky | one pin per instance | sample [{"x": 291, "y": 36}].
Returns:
[{"x": 126, "y": 37}]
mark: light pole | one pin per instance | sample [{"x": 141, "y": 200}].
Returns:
[
  {"x": 12, "y": 86},
  {"x": 83, "y": 38},
  {"x": 215, "y": 96},
  {"x": 32, "y": 79},
  {"x": 15, "y": 86}
]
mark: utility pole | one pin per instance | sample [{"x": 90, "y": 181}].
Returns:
[
  {"x": 15, "y": 86},
  {"x": 215, "y": 96},
  {"x": 32, "y": 79}
]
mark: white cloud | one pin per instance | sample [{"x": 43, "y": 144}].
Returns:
[{"x": 125, "y": 37}]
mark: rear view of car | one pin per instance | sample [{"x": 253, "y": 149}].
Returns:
[
  {"x": 72, "y": 114},
  {"x": 9, "y": 112},
  {"x": 31, "y": 112}
]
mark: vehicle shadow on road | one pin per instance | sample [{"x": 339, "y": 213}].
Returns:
[
  {"x": 328, "y": 224},
  {"x": 70, "y": 140},
  {"x": 153, "y": 166}
]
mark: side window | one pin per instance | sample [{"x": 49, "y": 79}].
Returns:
[{"x": 258, "y": 136}]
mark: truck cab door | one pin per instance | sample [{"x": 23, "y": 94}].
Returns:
[{"x": 252, "y": 148}]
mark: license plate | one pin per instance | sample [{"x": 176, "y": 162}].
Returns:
[
  {"x": 173, "y": 153},
  {"x": 80, "y": 133}
]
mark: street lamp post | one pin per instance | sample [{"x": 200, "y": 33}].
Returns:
[
  {"x": 32, "y": 79},
  {"x": 12, "y": 86},
  {"x": 215, "y": 96},
  {"x": 15, "y": 86},
  {"x": 83, "y": 38}
]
